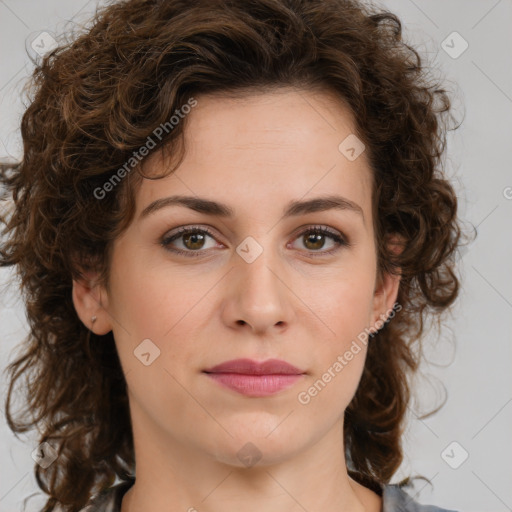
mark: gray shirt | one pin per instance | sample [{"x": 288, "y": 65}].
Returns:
[{"x": 394, "y": 499}]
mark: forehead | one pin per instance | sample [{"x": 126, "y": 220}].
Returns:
[{"x": 266, "y": 148}]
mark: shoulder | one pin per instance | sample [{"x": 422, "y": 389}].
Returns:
[
  {"x": 395, "y": 499},
  {"x": 108, "y": 500}
]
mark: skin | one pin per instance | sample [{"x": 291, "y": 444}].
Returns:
[{"x": 292, "y": 302}]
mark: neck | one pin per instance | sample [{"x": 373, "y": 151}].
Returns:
[{"x": 172, "y": 475}]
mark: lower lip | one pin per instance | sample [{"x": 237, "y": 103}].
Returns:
[{"x": 255, "y": 385}]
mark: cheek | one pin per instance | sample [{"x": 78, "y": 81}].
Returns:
[
  {"x": 153, "y": 301},
  {"x": 328, "y": 394},
  {"x": 343, "y": 302},
  {"x": 339, "y": 359},
  {"x": 344, "y": 305}
]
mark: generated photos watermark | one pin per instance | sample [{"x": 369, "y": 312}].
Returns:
[
  {"x": 158, "y": 133},
  {"x": 304, "y": 397}
]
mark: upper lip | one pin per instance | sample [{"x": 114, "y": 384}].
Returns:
[{"x": 250, "y": 367}]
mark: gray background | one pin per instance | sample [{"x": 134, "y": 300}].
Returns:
[{"x": 471, "y": 357}]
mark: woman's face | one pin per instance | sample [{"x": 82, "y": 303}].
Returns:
[{"x": 260, "y": 284}]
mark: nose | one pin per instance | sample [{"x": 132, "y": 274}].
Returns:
[{"x": 258, "y": 298}]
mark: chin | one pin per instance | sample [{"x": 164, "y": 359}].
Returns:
[{"x": 261, "y": 449}]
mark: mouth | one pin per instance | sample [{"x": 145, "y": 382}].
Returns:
[{"x": 255, "y": 379}]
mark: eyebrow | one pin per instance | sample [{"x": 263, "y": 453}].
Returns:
[{"x": 294, "y": 208}]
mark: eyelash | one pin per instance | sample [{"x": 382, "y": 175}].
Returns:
[{"x": 166, "y": 240}]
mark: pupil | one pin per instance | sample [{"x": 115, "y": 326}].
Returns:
[
  {"x": 195, "y": 238},
  {"x": 315, "y": 238}
]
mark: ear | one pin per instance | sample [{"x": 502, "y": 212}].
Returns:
[
  {"x": 386, "y": 289},
  {"x": 91, "y": 303}
]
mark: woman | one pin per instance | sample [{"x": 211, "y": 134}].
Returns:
[{"x": 230, "y": 224}]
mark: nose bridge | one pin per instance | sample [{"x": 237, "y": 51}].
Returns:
[
  {"x": 260, "y": 297},
  {"x": 258, "y": 279}
]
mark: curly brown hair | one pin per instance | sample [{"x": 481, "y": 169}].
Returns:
[{"x": 97, "y": 98}]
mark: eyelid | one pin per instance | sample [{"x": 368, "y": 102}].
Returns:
[
  {"x": 337, "y": 236},
  {"x": 183, "y": 230},
  {"x": 340, "y": 239}
]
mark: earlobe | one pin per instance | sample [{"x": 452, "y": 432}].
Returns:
[
  {"x": 90, "y": 301},
  {"x": 385, "y": 296},
  {"x": 386, "y": 290}
]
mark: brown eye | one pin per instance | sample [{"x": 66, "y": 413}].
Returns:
[
  {"x": 193, "y": 241},
  {"x": 315, "y": 238},
  {"x": 188, "y": 241}
]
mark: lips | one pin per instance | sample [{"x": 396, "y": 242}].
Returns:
[
  {"x": 250, "y": 367},
  {"x": 255, "y": 379}
]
